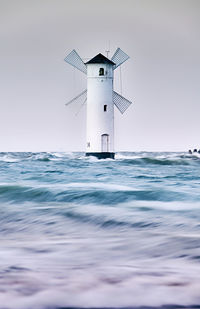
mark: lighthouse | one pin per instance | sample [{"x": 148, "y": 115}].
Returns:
[{"x": 100, "y": 99}]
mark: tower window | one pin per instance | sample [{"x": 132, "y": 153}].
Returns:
[
  {"x": 105, "y": 108},
  {"x": 101, "y": 71}
]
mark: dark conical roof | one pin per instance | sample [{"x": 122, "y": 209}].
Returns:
[{"x": 100, "y": 59}]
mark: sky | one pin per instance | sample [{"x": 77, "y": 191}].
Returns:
[{"x": 161, "y": 78}]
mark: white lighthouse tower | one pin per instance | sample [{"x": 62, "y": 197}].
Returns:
[{"x": 101, "y": 99}]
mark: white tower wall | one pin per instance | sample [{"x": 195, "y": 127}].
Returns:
[{"x": 100, "y": 108}]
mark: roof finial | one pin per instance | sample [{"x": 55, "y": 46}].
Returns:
[
  {"x": 107, "y": 53},
  {"x": 108, "y": 50}
]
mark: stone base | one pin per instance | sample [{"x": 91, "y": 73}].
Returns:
[{"x": 101, "y": 155}]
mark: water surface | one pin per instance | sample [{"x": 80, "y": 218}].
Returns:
[{"x": 86, "y": 233}]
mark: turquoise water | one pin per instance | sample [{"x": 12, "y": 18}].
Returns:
[{"x": 87, "y": 233}]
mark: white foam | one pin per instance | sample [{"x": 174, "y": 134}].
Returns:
[
  {"x": 113, "y": 286},
  {"x": 76, "y": 185},
  {"x": 9, "y": 159}
]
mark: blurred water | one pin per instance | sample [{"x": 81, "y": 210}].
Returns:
[{"x": 86, "y": 233}]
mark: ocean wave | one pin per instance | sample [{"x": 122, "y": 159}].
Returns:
[
  {"x": 150, "y": 216},
  {"x": 122, "y": 158},
  {"x": 85, "y": 193},
  {"x": 156, "y": 160},
  {"x": 10, "y": 157}
]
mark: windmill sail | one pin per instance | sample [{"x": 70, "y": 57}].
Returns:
[
  {"x": 119, "y": 57},
  {"x": 82, "y": 95},
  {"x": 120, "y": 102},
  {"x": 75, "y": 60}
]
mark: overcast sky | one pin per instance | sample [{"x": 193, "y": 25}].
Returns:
[{"x": 161, "y": 78}]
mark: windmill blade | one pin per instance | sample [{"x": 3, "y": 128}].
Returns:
[
  {"x": 75, "y": 60},
  {"x": 82, "y": 95},
  {"x": 119, "y": 57},
  {"x": 120, "y": 102}
]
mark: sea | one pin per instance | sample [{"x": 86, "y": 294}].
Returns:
[{"x": 78, "y": 232}]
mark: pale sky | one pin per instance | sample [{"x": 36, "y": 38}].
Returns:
[{"x": 161, "y": 78}]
